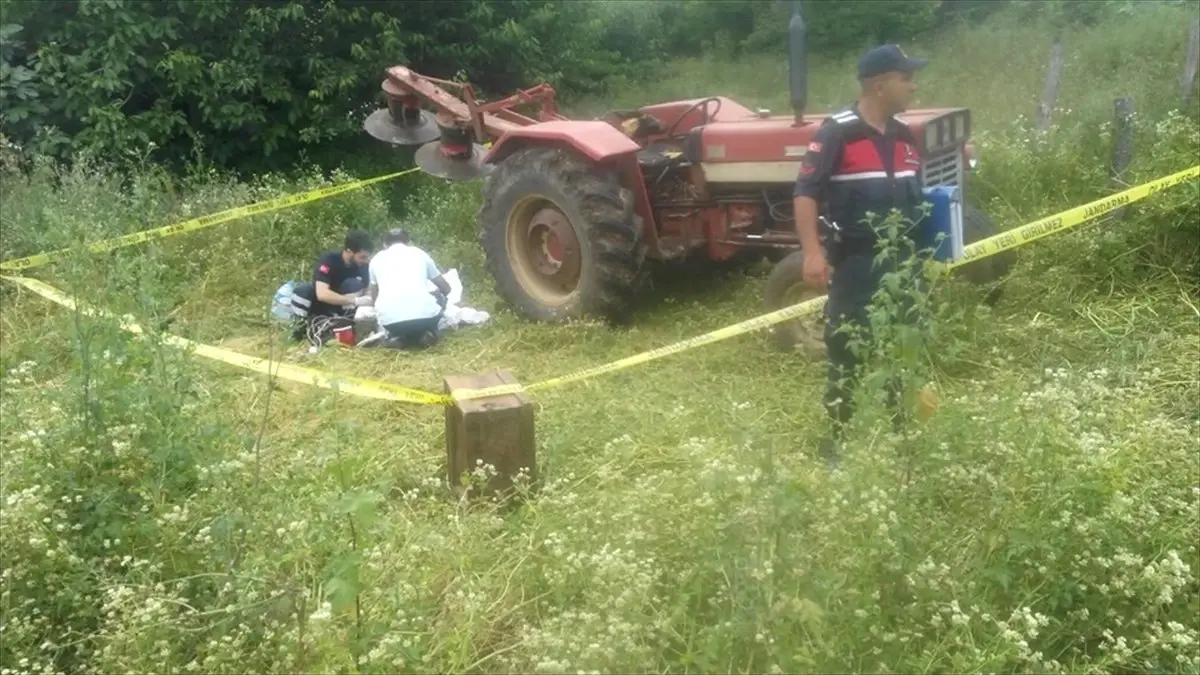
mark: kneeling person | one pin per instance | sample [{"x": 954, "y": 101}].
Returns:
[
  {"x": 338, "y": 286},
  {"x": 340, "y": 277},
  {"x": 404, "y": 305}
]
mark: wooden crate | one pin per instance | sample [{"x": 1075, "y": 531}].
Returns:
[{"x": 496, "y": 431}]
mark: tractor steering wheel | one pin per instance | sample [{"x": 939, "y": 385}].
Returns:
[{"x": 699, "y": 104}]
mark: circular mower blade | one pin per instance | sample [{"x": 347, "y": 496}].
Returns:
[
  {"x": 380, "y": 125},
  {"x": 433, "y": 161}
]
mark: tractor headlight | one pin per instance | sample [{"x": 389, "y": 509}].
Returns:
[
  {"x": 972, "y": 155},
  {"x": 931, "y": 136},
  {"x": 947, "y": 131}
]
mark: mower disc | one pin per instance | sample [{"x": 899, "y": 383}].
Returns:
[
  {"x": 433, "y": 161},
  {"x": 381, "y": 126}
]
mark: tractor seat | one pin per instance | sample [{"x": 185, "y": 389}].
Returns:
[
  {"x": 636, "y": 125},
  {"x": 659, "y": 155}
]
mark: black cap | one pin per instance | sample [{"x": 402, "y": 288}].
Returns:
[{"x": 888, "y": 59}]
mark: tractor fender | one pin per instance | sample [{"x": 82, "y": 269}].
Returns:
[
  {"x": 596, "y": 140},
  {"x": 599, "y": 142}
]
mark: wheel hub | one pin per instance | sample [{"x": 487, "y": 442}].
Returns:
[
  {"x": 543, "y": 250},
  {"x": 548, "y": 233}
]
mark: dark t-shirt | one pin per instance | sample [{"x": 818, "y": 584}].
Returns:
[{"x": 333, "y": 270}]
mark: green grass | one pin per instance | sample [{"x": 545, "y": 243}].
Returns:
[{"x": 163, "y": 513}]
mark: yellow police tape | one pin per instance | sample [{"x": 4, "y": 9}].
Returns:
[
  {"x": 380, "y": 390},
  {"x": 1070, "y": 218},
  {"x": 284, "y": 371},
  {"x": 203, "y": 222},
  {"x": 981, "y": 249}
]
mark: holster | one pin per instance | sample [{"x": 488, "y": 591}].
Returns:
[{"x": 843, "y": 245}]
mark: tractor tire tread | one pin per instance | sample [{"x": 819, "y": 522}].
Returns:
[
  {"x": 790, "y": 336},
  {"x": 993, "y": 269},
  {"x": 609, "y": 232}
]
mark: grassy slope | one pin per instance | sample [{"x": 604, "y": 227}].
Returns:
[
  {"x": 682, "y": 527},
  {"x": 996, "y": 70}
]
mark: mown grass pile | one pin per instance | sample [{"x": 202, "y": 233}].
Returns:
[{"x": 166, "y": 514}]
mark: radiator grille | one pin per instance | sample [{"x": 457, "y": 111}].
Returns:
[{"x": 943, "y": 169}]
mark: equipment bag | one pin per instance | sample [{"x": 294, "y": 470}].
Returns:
[{"x": 281, "y": 305}]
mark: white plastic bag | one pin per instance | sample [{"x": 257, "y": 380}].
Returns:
[
  {"x": 456, "y": 288},
  {"x": 281, "y": 306}
]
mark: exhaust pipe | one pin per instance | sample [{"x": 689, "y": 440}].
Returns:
[{"x": 797, "y": 70}]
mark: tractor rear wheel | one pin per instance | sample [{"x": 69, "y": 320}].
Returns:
[
  {"x": 560, "y": 235},
  {"x": 786, "y": 287},
  {"x": 977, "y": 226}
]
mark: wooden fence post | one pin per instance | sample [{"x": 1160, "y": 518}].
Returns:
[
  {"x": 493, "y": 434},
  {"x": 1050, "y": 90},
  {"x": 1122, "y": 145},
  {"x": 1191, "y": 64}
]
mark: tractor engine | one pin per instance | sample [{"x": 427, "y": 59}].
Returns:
[{"x": 725, "y": 184}]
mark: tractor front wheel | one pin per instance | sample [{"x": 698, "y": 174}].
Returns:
[
  {"x": 786, "y": 287},
  {"x": 991, "y": 270},
  {"x": 560, "y": 236}
]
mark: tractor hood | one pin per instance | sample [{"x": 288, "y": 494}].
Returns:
[{"x": 754, "y": 138}]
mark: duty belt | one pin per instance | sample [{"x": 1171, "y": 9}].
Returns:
[{"x": 842, "y": 243}]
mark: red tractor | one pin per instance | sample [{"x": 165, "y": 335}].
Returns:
[{"x": 572, "y": 209}]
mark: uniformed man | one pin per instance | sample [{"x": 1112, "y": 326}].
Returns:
[
  {"x": 340, "y": 277},
  {"x": 861, "y": 159},
  {"x": 338, "y": 287}
]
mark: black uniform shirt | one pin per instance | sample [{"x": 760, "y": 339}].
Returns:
[
  {"x": 850, "y": 168},
  {"x": 332, "y": 269}
]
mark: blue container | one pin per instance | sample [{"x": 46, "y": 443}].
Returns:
[{"x": 945, "y": 219}]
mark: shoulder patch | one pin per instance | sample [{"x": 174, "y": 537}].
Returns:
[
  {"x": 324, "y": 268},
  {"x": 844, "y": 117}
]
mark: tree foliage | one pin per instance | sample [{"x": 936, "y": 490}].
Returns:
[
  {"x": 256, "y": 78},
  {"x": 252, "y": 84}
]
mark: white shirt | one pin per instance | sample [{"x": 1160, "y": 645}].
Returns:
[{"x": 403, "y": 273}]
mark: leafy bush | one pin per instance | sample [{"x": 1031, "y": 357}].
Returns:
[
  {"x": 258, "y": 87},
  {"x": 248, "y": 85}
]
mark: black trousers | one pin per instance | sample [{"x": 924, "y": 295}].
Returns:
[
  {"x": 414, "y": 333},
  {"x": 857, "y": 277}
]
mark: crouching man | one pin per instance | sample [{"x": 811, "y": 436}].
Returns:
[
  {"x": 339, "y": 286},
  {"x": 404, "y": 305}
]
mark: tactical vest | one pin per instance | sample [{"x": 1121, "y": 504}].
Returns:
[{"x": 874, "y": 173}]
